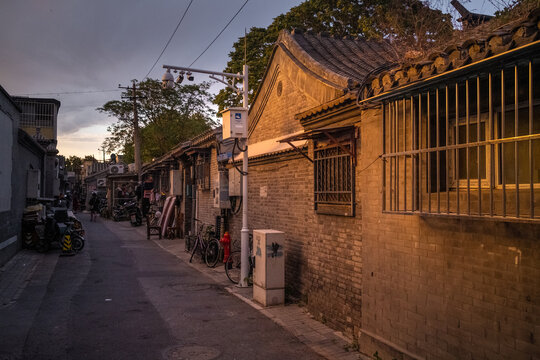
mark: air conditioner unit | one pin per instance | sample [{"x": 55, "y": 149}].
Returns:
[
  {"x": 176, "y": 182},
  {"x": 101, "y": 182},
  {"x": 33, "y": 184},
  {"x": 116, "y": 169}
]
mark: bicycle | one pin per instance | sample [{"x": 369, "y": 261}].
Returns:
[
  {"x": 234, "y": 263},
  {"x": 191, "y": 239},
  {"x": 201, "y": 242},
  {"x": 215, "y": 252}
]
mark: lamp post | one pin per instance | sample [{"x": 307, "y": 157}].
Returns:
[{"x": 168, "y": 82}]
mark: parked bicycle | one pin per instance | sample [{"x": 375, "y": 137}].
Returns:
[
  {"x": 204, "y": 235},
  {"x": 215, "y": 251},
  {"x": 234, "y": 264}
]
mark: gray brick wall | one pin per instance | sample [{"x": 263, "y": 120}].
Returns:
[{"x": 445, "y": 288}]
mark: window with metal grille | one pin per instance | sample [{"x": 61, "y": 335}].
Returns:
[
  {"x": 334, "y": 177},
  {"x": 466, "y": 147},
  {"x": 37, "y": 114},
  {"x": 202, "y": 171}
]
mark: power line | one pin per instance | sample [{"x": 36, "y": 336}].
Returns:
[
  {"x": 218, "y": 35},
  {"x": 169, "y": 41},
  {"x": 68, "y": 92}
]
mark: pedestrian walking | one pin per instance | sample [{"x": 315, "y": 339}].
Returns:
[{"x": 94, "y": 206}]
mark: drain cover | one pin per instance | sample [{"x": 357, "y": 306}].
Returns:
[{"x": 190, "y": 353}]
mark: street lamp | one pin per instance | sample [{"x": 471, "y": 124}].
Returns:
[{"x": 222, "y": 77}]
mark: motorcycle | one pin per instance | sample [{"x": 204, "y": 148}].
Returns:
[
  {"x": 130, "y": 210},
  {"x": 58, "y": 225},
  {"x": 135, "y": 213}
]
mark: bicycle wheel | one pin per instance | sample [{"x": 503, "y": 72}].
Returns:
[
  {"x": 232, "y": 267},
  {"x": 211, "y": 255}
]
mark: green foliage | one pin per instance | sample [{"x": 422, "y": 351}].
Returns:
[
  {"x": 166, "y": 118},
  {"x": 409, "y": 24},
  {"x": 74, "y": 163}
]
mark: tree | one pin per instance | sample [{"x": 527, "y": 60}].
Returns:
[
  {"x": 166, "y": 118},
  {"x": 74, "y": 163},
  {"x": 409, "y": 24}
]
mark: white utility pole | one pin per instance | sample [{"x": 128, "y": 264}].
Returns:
[
  {"x": 168, "y": 81},
  {"x": 244, "y": 240}
]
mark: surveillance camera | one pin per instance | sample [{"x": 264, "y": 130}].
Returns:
[
  {"x": 167, "y": 81},
  {"x": 180, "y": 78},
  {"x": 190, "y": 76}
]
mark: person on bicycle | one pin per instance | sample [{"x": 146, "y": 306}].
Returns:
[{"x": 94, "y": 206}]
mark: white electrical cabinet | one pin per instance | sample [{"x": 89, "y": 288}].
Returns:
[
  {"x": 235, "y": 183},
  {"x": 269, "y": 269},
  {"x": 33, "y": 184},
  {"x": 235, "y": 123},
  {"x": 176, "y": 185}
]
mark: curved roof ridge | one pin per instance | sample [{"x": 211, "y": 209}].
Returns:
[
  {"x": 308, "y": 59},
  {"x": 343, "y": 61}
]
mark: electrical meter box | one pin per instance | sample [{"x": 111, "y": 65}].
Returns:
[
  {"x": 235, "y": 183},
  {"x": 235, "y": 123},
  {"x": 221, "y": 191},
  {"x": 269, "y": 267}
]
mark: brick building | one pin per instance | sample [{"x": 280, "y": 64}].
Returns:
[
  {"x": 396, "y": 187},
  {"x": 320, "y": 214}
]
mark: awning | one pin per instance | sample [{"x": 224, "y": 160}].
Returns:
[
  {"x": 317, "y": 133},
  {"x": 271, "y": 147},
  {"x": 329, "y": 133}
]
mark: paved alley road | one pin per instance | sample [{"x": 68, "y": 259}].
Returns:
[{"x": 124, "y": 297}]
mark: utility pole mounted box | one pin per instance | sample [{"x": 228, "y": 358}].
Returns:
[{"x": 235, "y": 123}]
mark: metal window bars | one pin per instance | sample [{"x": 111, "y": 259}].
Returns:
[
  {"x": 37, "y": 114},
  {"x": 467, "y": 147},
  {"x": 334, "y": 179},
  {"x": 202, "y": 171}
]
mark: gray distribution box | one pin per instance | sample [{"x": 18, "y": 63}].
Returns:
[{"x": 269, "y": 271}]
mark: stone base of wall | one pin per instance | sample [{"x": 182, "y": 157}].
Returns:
[
  {"x": 379, "y": 349},
  {"x": 8, "y": 249}
]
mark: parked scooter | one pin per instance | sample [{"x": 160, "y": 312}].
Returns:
[
  {"x": 59, "y": 224},
  {"x": 135, "y": 213},
  {"x": 129, "y": 210}
]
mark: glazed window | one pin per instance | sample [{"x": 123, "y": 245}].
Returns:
[
  {"x": 460, "y": 147},
  {"x": 202, "y": 171},
  {"x": 334, "y": 177}
]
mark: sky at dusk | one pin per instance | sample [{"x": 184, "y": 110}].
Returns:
[{"x": 53, "y": 47}]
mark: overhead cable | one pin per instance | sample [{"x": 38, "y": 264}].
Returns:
[
  {"x": 169, "y": 41},
  {"x": 218, "y": 35}
]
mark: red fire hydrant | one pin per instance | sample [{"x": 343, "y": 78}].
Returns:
[{"x": 226, "y": 242}]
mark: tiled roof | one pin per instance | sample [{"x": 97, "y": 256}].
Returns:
[
  {"x": 345, "y": 62},
  {"x": 342, "y": 100},
  {"x": 509, "y": 37}
]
